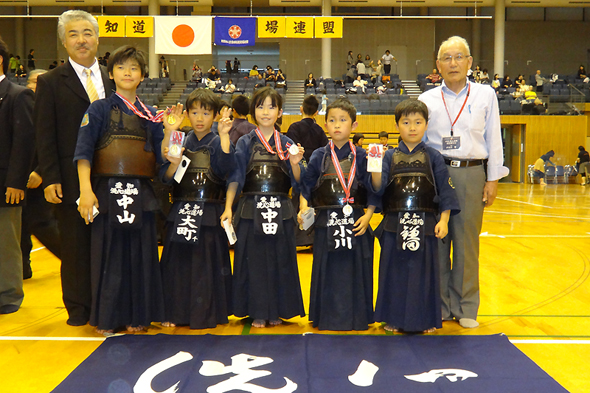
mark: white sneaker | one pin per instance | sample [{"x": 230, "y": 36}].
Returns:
[{"x": 468, "y": 323}]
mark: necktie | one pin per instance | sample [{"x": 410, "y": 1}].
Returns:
[{"x": 90, "y": 88}]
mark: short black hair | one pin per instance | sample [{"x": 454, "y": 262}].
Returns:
[
  {"x": 345, "y": 105},
  {"x": 241, "y": 105},
  {"x": 4, "y": 54},
  {"x": 357, "y": 137},
  {"x": 127, "y": 52},
  {"x": 260, "y": 96},
  {"x": 409, "y": 106},
  {"x": 383, "y": 134},
  {"x": 310, "y": 105},
  {"x": 204, "y": 98}
]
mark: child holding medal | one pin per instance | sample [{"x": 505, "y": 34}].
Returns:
[
  {"x": 196, "y": 269},
  {"x": 265, "y": 278},
  {"x": 337, "y": 185},
  {"x": 418, "y": 198},
  {"x": 116, "y": 154}
]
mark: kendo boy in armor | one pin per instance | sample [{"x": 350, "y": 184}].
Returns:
[
  {"x": 418, "y": 199},
  {"x": 116, "y": 154},
  {"x": 268, "y": 164},
  {"x": 196, "y": 269},
  {"x": 337, "y": 185}
]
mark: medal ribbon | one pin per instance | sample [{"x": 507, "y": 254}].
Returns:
[
  {"x": 461, "y": 111},
  {"x": 149, "y": 117},
  {"x": 351, "y": 174},
  {"x": 281, "y": 153}
]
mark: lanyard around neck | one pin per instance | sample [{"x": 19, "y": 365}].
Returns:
[{"x": 462, "y": 107}]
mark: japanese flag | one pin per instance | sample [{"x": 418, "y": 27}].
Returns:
[{"x": 183, "y": 35}]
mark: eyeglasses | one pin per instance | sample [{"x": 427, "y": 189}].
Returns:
[{"x": 458, "y": 58}]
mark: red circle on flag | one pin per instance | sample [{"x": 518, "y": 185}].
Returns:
[
  {"x": 235, "y": 31},
  {"x": 183, "y": 35}
]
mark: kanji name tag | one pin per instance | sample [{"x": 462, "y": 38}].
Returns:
[
  {"x": 268, "y": 219},
  {"x": 340, "y": 234},
  {"x": 375, "y": 158},
  {"x": 187, "y": 224},
  {"x": 410, "y": 230},
  {"x": 125, "y": 209},
  {"x": 451, "y": 142},
  {"x": 176, "y": 142}
]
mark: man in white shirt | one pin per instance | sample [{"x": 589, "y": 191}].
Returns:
[
  {"x": 386, "y": 59},
  {"x": 464, "y": 126},
  {"x": 62, "y": 98}
]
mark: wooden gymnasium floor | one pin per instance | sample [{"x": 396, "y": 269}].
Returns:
[{"x": 535, "y": 268}]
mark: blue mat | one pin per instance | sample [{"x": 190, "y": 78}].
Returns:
[{"x": 305, "y": 364}]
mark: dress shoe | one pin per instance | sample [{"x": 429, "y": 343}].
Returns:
[
  {"x": 8, "y": 309},
  {"x": 77, "y": 321}
]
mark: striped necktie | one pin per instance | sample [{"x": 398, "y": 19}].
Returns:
[{"x": 90, "y": 88}]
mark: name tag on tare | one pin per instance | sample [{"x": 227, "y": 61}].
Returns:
[{"x": 451, "y": 142}]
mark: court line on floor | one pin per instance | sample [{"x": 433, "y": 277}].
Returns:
[
  {"x": 536, "y": 215},
  {"x": 526, "y": 203},
  {"x": 577, "y": 342},
  {"x": 487, "y": 234},
  {"x": 37, "y": 249}
]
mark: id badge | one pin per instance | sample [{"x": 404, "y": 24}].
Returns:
[{"x": 451, "y": 142}]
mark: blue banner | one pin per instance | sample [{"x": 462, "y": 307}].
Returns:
[
  {"x": 314, "y": 363},
  {"x": 235, "y": 31}
]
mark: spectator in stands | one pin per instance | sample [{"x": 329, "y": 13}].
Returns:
[
  {"x": 254, "y": 72},
  {"x": 361, "y": 69},
  {"x": 351, "y": 74},
  {"x": 20, "y": 72},
  {"x": 484, "y": 78},
  {"x": 477, "y": 74},
  {"x": 240, "y": 125},
  {"x": 583, "y": 164},
  {"x": 519, "y": 82},
  {"x": 31, "y": 60},
  {"x": 197, "y": 75},
  {"x": 270, "y": 74},
  {"x": 539, "y": 167},
  {"x": 360, "y": 84},
  {"x": 507, "y": 82},
  {"x": 496, "y": 82},
  {"x": 229, "y": 88},
  {"x": 281, "y": 81},
  {"x": 164, "y": 71},
  {"x": 384, "y": 140},
  {"x": 310, "y": 81},
  {"x": 434, "y": 77},
  {"x": 17, "y": 63},
  {"x": 539, "y": 81},
  {"x": 377, "y": 71},
  {"x": 237, "y": 65},
  {"x": 358, "y": 139},
  {"x": 349, "y": 60},
  {"x": 53, "y": 65},
  {"x": 582, "y": 74},
  {"x": 12, "y": 64},
  {"x": 306, "y": 131},
  {"x": 387, "y": 58},
  {"x": 368, "y": 62},
  {"x": 359, "y": 57},
  {"x": 324, "y": 102},
  {"x": 228, "y": 67},
  {"x": 213, "y": 74}
]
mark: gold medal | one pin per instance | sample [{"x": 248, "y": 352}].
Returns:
[
  {"x": 175, "y": 150},
  {"x": 171, "y": 120}
]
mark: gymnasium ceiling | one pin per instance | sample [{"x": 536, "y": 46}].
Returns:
[{"x": 303, "y": 3}]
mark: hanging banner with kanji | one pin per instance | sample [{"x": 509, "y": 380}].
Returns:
[
  {"x": 235, "y": 31},
  {"x": 140, "y": 26},
  {"x": 299, "y": 27},
  {"x": 271, "y": 27},
  {"x": 111, "y": 26},
  {"x": 328, "y": 27}
]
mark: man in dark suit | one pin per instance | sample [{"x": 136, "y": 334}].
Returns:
[
  {"x": 63, "y": 96},
  {"x": 16, "y": 154}
]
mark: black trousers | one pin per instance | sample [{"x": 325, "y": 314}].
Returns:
[
  {"x": 386, "y": 69},
  {"x": 75, "y": 262}
]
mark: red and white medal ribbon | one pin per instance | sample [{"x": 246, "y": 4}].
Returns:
[
  {"x": 149, "y": 116},
  {"x": 351, "y": 174},
  {"x": 280, "y": 152},
  {"x": 461, "y": 111}
]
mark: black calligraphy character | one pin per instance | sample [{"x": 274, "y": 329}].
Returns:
[
  {"x": 272, "y": 26},
  {"x": 111, "y": 27},
  {"x": 299, "y": 27},
  {"x": 138, "y": 26},
  {"x": 328, "y": 27}
]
